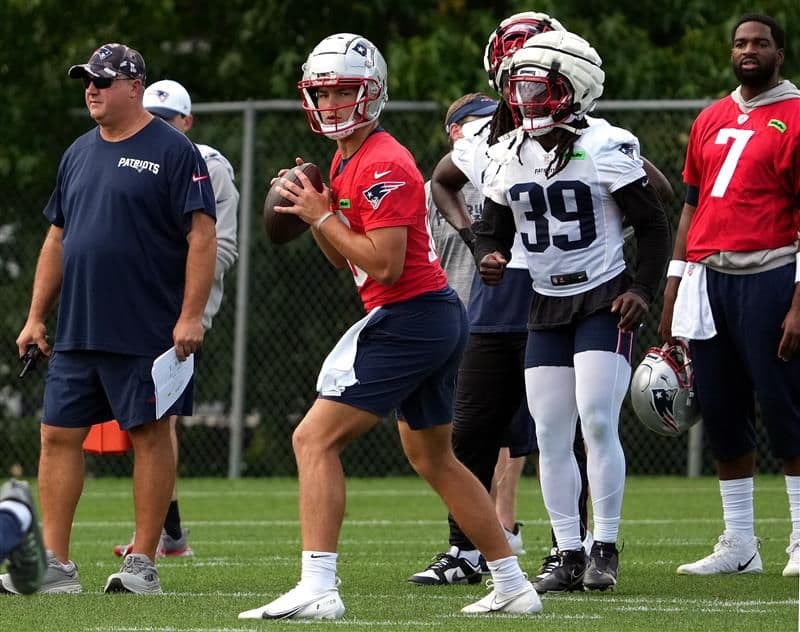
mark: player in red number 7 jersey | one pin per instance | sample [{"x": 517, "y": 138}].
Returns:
[{"x": 732, "y": 287}]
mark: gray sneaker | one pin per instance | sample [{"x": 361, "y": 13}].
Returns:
[
  {"x": 167, "y": 546},
  {"x": 170, "y": 547},
  {"x": 58, "y": 578},
  {"x": 137, "y": 575},
  {"x": 27, "y": 562}
]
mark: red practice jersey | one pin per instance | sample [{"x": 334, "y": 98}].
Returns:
[
  {"x": 380, "y": 186},
  {"x": 746, "y": 168}
]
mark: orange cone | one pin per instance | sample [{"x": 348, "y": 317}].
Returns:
[{"x": 107, "y": 438}]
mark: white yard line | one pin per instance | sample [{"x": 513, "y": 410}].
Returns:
[{"x": 102, "y": 524}]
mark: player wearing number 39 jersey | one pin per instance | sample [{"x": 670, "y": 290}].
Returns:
[
  {"x": 733, "y": 287},
  {"x": 565, "y": 186}
]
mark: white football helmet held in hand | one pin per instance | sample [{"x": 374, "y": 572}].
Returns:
[
  {"x": 339, "y": 61},
  {"x": 555, "y": 78},
  {"x": 662, "y": 390},
  {"x": 509, "y": 36}
]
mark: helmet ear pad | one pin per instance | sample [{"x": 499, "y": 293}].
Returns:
[{"x": 662, "y": 390}]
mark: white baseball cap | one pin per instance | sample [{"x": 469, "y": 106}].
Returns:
[{"x": 167, "y": 99}]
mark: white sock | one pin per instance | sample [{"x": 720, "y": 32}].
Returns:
[
  {"x": 605, "y": 529},
  {"x": 472, "y": 556},
  {"x": 567, "y": 530},
  {"x": 793, "y": 490},
  {"x": 507, "y": 575},
  {"x": 20, "y": 511},
  {"x": 737, "y": 506},
  {"x": 319, "y": 570}
]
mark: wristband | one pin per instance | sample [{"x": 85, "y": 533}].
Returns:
[
  {"x": 797, "y": 268},
  {"x": 676, "y": 268},
  {"x": 323, "y": 219}
]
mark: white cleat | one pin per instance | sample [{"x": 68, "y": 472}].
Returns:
[
  {"x": 524, "y": 602},
  {"x": 300, "y": 603},
  {"x": 733, "y": 554},
  {"x": 792, "y": 568}
]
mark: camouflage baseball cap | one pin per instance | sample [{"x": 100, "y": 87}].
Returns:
[{"x": 115, "y": 61}]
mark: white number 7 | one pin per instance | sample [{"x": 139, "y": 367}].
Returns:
[{"x": 740, "y": 138}]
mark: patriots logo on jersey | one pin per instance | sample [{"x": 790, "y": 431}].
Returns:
[
  {"x": 377, "y": 192},
  {"x": 663, "y": 401},
  {"x": 629, "y": 150}
]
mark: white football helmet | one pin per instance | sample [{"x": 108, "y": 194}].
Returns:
[
  {"x": 555, "y": 78},
  {"x": 344, "y": 60},
  {"x": 509, "y": 36},
  {"x": 662, "y": 390}
]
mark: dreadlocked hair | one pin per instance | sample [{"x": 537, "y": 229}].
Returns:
[
  {"x": 502, "y": 122},
  {"x": 565, "y": 145}
]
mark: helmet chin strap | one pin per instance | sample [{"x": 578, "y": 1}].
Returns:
[
  {"x": 340, "y": 134},
  {"x": 575, "y": 130}
]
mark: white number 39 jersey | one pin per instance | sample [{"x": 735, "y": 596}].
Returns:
[{"x": 569, "y": 224}]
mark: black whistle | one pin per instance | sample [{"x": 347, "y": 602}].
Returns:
[{"x": 31, "y": 357}]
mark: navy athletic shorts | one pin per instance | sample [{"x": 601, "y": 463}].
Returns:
[
  {"x": 596, "y": 332},
  {"x": 84, "y": 388},
  {"x": 742, "y": 360},
  {"x": 407, "y": 360}
]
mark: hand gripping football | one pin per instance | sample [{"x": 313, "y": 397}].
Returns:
[{"x": 284, "y": 227}]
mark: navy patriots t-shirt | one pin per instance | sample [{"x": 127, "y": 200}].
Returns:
[{"x": 126, "y": 208}]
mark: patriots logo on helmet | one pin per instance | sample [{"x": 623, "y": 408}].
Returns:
[
  {"x": 629, "y": 149},
  {"x": 361, "y": 49},
  {"x": 377, "y": 192},
  {"x": 662, "y": 402}
]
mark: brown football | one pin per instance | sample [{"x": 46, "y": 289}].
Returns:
[{"x": 284, "y": 227}]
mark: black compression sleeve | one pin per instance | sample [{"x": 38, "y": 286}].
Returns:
[
  {"x": 494, "y": 230},
  {"x": 642, "y": 208}
]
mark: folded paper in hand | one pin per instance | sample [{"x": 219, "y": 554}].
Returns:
[{"x": 170, "y": 377}]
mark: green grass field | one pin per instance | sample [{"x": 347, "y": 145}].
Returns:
[{"x": 245, "y": 537}]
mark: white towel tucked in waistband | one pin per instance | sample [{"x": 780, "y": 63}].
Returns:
[
  {"x": 692, "y": 317},
  {"x": 337, "y": 372}
]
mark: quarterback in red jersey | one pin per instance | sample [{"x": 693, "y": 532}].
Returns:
[
  {"x": 733, "y": 287},
  {"x": 378, "y": 188},
  {"x": 402, "y": 356}
]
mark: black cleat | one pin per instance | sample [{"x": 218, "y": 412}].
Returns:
[
  {"x": 566, "y": 576},
  {"x": 448, "y": 569},
  {"x": 603, "y": 567},
  {"x": 549, "y": 564}
]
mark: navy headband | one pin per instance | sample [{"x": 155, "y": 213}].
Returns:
[{"x": 482, "y": 106}]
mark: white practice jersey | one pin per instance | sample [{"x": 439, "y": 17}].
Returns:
[
  {"x": 570, "y": 225},
  {"x": 470, "y": 156}
]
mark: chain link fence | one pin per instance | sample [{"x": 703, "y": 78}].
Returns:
[{"x": 285, "y": 307}]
